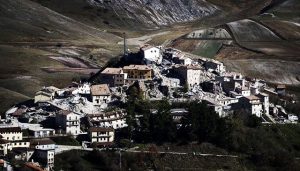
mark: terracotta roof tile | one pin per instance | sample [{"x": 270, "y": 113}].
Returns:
[
  {"x": 112, "y": 71},
  {"x": 100, "y": 90}
]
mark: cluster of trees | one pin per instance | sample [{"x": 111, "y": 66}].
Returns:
[
  {"x": 155, "y": 123},
  {"x": 241, "y": 132}
]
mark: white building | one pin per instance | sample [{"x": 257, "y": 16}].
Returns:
[
  {"x": 170, "y": 82},
  {"x": 227, "y": 101},
  {"x": 84, "y": 89},
  {"x": 151, "y": 54},
  {"x": 244, "y": 91},
  {"x": 293, "y": 118},
  {"x": 42, "y": 144},
  {"x": 68, "y": 121},
  {"x": 38, "y": 132},
  {"x": 181, "y": 59},
  {"x": 114, "y": 119},
  {"x": 101, "y": 135},
  {"x": 11, "y": 137},
  {"x": 265, "y": 102},
  {"x": 11, "y": 133},
  {"x": 101, "y": 94}
]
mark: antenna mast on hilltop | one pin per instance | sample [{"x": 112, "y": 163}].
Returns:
[{"x": 125, "y": 45}]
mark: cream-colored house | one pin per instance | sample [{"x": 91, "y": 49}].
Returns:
[
  {"x": 137, "y": 72},
  {"x": 101, "y": 94},
  {"x": 102, "y": 135},
  {"x": 113, "y": 77},
  {"x": 11, "y": 133},
  {"x": 11, "y": 137}
]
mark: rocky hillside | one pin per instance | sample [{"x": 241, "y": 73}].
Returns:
[
  {"x": 159, "y": 12},
  {"x": 133, "y": 14}
]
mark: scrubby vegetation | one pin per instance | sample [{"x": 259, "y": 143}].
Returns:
[{"x": 272, "y": 147}]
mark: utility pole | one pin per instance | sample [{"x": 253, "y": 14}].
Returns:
[{"x": 120, "y": 160}]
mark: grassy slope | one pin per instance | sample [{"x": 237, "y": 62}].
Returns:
[
  {"x": 97, "y": 17},
  {"x": 9, "y": 98},
  {"x": 286, "y": 29},
  {"x": 21, "y": 76},
  {"x": 27, "y": 40}
]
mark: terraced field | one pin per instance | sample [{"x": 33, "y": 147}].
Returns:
[
  {"x": 211, "y": 33},
  {"x": 257, "y": 37},
  {"x": 289, "y": 30},
  {"x": 250, "y": 31}
]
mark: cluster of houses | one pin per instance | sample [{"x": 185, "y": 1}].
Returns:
[
  {"x": 91, "y": 110},
  {"x": 39, "y": 149}
]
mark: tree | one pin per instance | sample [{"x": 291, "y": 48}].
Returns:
[{"x": 185, "y": 87}]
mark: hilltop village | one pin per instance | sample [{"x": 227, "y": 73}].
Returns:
[{"x": 91, "y": 110}]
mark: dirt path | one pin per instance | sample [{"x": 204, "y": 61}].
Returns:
[{"x": 140, "y": 41}]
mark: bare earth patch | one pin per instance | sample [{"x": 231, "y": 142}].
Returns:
[
  {"x": 85, "y": 71},
  {"x": 71, "y": 62}
]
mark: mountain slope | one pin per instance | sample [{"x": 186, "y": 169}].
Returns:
[
  {"x": 159, "y": 12},
  {"x": 134, "y": 14},
  {"x": 24, "y": 20}
]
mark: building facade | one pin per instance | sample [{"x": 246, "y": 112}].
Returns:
[
  {"x": 265, "y": 102},
  {"x": 41, "y": 132},
  {"x": 137, "y": 72},
  {"x": 11, "y": 133},
  {"x": 151, "y": 54},
  {"x": 114, "y": 119},
  {"x": 190, "y": 75},
  {"x": 69, "y": 122},
  {"x": 253, "y": 105},
  {"x": 113, "y": 77},
  {"x": 101, "y": 94},
  {"x": 102, "y": 135}
]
